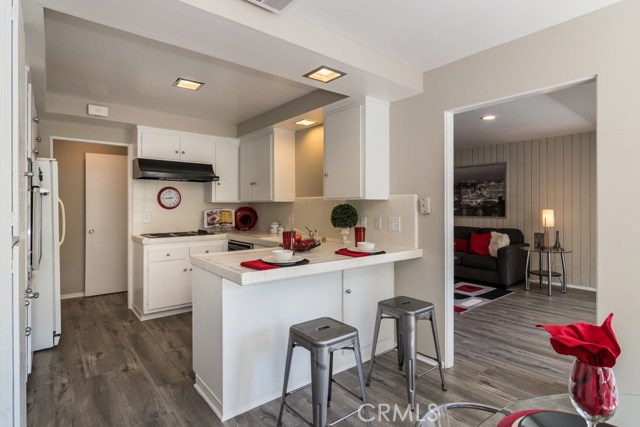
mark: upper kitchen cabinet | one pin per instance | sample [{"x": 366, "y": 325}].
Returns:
[
  {"x": 225, "y": 165},
  {"x": 356, "y": 150},
  {"x": 267, "y": 166},
  {"x": 166, "y": 144}
]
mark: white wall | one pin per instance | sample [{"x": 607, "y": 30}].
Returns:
[
  {"x": 605, "y": 43},
  {"x": 556, "y": 173}
]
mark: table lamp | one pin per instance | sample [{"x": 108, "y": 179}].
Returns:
[{"x": 548, "y": 220}]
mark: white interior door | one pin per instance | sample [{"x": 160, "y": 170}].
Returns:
[{"x": 106, "y": 224}]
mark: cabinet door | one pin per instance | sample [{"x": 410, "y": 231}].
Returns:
[
  {"x": 197, "y": 149},
  {"x": 343, "y": 139},
  {"x": 226, "y": 167},
  {"x": 262, "y": 167},
  {"x": 169, "y": 284},
  {"x": 159, "y": 145},
  {"x": 246, "y": 171},
  {"x": 362, "y": 289}
]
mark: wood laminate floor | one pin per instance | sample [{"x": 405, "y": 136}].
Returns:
[{"x": 110, "y": 369}]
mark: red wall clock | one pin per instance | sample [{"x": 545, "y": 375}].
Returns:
[{"x": 169, "y": 197}]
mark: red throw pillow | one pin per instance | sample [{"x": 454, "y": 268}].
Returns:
[
  {"x": 461, "y": 245},
  {"x": 479, "y": 243}
]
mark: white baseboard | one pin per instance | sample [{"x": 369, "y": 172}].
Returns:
[
  {"x": 569, "y": 285},
  {"x": 69, "y": 296}
]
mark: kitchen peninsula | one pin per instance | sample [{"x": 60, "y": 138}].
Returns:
[{"x": 241, "y": 318}]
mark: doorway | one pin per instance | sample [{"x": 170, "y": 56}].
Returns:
[
  {"x": 70, "y": 154},
  {"x": 549, "y": 147}
]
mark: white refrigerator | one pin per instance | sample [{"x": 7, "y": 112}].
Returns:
[{"x": 47, "y": 217}]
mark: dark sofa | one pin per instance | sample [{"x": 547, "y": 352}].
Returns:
[{"x": 504, "y": 270}]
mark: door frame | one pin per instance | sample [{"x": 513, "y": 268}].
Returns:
[
  {"x": 449, "y": 151},
  {"x": 130, "y": 149}
]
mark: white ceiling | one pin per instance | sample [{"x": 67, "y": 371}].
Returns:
[
  {"x": 129, "y": 52},
  {"x": 563, "y": 112}
]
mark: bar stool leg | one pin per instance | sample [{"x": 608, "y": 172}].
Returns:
[
  {"x": 320, "y": 361},
  {"x": 330, "y": 378},
  {"x": 375, "y": 343},
  {"x": 399, "y": 340},
  {"x": 409, "y": 343},
  {"x": 287, "y": 368},
  {"x": 356, "y": 352},
  {"x": 436, "y": 342}
]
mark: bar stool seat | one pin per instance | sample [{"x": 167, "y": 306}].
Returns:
[
  {"x": 322, "y": 337},
  {"x": 407, "y": 311}
]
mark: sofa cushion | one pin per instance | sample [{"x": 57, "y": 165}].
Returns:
[
  {"x": 479, "y": 243},
  {"x": 463, "y": 232},
  {"x": 498, "y": 240},
  {"x": 515, "y": 235},
  {"x": 461, "y": 245},
  {"x": 482, "y": 262}
]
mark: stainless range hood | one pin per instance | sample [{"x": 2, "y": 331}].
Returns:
[{"x": 172, "y": 171}]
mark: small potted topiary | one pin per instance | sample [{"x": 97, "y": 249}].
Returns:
[{"x": 344, "y": 216}]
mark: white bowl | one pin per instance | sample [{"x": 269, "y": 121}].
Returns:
[
  {"x": 366, "y": 246},
  {"x": 282, "y": 254}
]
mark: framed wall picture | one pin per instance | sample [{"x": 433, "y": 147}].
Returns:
[
  {"x": 538, "y": 240},
  {"x": 480, "y": 190}
]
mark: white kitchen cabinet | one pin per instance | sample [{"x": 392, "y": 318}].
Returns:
[
  {"x": 162, "y": 276},
  {"x": 164, "y": 144},
  {"x": 226, "y": 166},
  {"x": 267, "y": 166},
  {"x": 356, "y": 150},
  {"x": 362, "y": 288}
]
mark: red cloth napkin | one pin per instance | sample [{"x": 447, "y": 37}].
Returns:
[
  {"x": 591, "y": 344},
  {"x": 512, "y": 418},
  {"x": 347, "y": 252},
  {"x": 256, "y": 264}
]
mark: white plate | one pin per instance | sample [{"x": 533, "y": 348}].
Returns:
[
  {"x": 363, "y": 251},
  {"x": 272, "y": 260}
]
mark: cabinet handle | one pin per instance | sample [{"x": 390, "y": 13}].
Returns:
[
  {"x": 348, "y": 291},
  {"x": 183, "y": 152},
  {"x": 207, "y": 251},
  {"x": 218, "y": 183},
  {"x": 177, "y": 151},
  {"x": 28, "y": 174},
  {"x": 184, "y": 269},
  {"x": 191, "y": 269},
  {"x": 35, "y": 151},
  {"x": 168, "y": 254},
  {"x": 36, "y": 120},
  {"x": 30, "y": 294},
  {"x": 38, "y": 139},
  {"x": 27, "y": 303},
  {"x": 27, "y": 331},
  {"x": 326, "y": 174}
]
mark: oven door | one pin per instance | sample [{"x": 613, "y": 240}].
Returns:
[{"x": 235, "y": 245}]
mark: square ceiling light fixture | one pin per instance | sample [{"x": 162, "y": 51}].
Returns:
[
  {"x": 305, "y": 122},
  {"x": 324, "y": 74},
  {"x": 188, "y": 84}
]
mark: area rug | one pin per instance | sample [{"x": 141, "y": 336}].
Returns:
[{"x": 468, "y": 296}]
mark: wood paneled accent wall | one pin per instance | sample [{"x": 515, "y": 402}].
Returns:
[{"x": 556, "y": 173}]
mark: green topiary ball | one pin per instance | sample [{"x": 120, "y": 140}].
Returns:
[{"x": 344, "y": 216}]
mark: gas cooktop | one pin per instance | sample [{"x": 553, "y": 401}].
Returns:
[{"x": 170, "y": 234}]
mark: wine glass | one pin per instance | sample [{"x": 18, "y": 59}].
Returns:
[{"x": 593, "y": 392}]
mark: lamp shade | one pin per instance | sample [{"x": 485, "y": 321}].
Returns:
[{"x": 548, "y": 219}]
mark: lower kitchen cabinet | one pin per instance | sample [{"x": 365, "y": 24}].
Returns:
[{"x": 162, "y": 276}]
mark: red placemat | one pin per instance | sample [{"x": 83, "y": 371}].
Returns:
[
  {"x": 256, "y": 264},
  {"x": 347, "y": 252}
]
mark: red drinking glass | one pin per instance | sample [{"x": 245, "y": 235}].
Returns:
[
  {"x": 288, "y": 239},
  {"x": 360, "y": 232}
]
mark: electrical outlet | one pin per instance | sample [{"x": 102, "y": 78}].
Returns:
[
  {"x": 377, "y": 223},
  {"x": 394, "y": 223},
  {"x": 291, "y": 218},
  {"x": 425, "y": 205},
  {"x": 363, "y": 221},
  {"x": 146, "y": 217}
]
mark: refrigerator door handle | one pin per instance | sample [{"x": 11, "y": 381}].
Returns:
[{"x": 63, "y": 221}]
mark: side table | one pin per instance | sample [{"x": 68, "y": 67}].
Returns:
[{"x": 548, "y": 273}]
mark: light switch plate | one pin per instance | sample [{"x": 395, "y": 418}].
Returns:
[
  {"x": 363, "y": 221},
  {"x": 425, "y": 205},
  {"x": 394, "y": 223},
  {"x": 377, "y": 223}
]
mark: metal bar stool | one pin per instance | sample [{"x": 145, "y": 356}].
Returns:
[
  {"x": 407, "y": 311},
  {"x": 322, "y": 337}
]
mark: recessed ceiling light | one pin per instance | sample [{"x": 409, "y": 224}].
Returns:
[
  {"x": 324, "y": 74},
  {"x": 489, "y": 117},
  {"x": 306, "y": 122},
  {"x": 188, "y": 84}
]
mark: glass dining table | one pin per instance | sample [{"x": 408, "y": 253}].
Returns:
[{"x": 627, "y": 414}]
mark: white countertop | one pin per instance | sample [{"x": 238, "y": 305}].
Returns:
[
  {"x": 182, "y": 239},
  {"x": 323, "y": 259}
]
